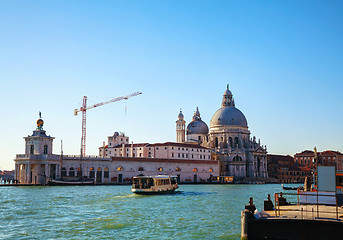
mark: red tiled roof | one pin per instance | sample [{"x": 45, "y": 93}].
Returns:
[
  {"x": 166, "y": 144},
  {"x": 137, "y": 159},
  {"x": 330, "y": 152},
  {"x": 305, "y": 153}
]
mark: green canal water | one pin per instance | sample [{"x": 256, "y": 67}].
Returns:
[{"x": 113, "y": 212}]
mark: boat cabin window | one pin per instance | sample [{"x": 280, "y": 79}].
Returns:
[
  {"x": 163, "y": 181},
  {"x": 143, "y": 183}
]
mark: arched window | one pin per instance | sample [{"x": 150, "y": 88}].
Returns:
[
  {"x": 64, "y": 172},
  {"x": 149, "y": 155},
  {"x": 71, "y": 172},
  {"x": 91, "y": 172},
  {"x": 160, "y": 169},
  {"x": 120, "y": 169},
  {"x": 106, "y": 172},
  {"x": 140, "y": 169},
  {"x": 237, "y": 159},
  {"x": 230, "y": 141},
  {"x": 99, "y": 169},
  {"x": 236, "y": 142},
  {"x": 195, "y": 170},
  {"x": 178, "y": 169},
  {"x": 210, "y": 170},
  {"x": 258, "y": 164}
]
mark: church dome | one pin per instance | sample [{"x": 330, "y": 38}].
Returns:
[
  {"x": 197, "y": 126},
  {"x": 228, "y": 114}
]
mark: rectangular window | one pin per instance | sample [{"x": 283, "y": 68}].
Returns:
[
  {"x": 178, "y": 155},
  {"x": 183, "y": 155},
  {"x": 45, "y": 149},
  {"x": 172, "y": 154},
  {"x": 32, "y": 149},
  {"x": 106, "y": 174}
]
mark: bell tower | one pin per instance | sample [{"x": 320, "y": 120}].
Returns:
[{"x": 180, "y": 128}]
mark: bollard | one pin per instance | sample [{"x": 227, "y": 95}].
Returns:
[
  {"x": 268, "y": 204},
  {"x": 244, "y": 224},
  {"x": 251, "y": 207}
]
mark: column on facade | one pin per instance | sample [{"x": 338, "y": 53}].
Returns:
[
  {"x": 47, "y": 171},
  {"x": 28, "y": 174}
]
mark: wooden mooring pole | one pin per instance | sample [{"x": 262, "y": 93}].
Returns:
[{"x": 244, "y": 224}]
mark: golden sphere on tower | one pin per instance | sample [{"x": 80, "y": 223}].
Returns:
[{"x": 40, "y": 122}]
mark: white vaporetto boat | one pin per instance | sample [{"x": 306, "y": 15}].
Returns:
[{"x": 154, "y": 184}]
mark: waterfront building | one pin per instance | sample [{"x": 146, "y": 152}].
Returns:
[
  {"x": 285, "y": 170},
  {"x": 229, "y": 138},
  {"x": 118, "y": 161},
  {"x": 118, "y": 146},
  {"x": 325, "y": 158}
]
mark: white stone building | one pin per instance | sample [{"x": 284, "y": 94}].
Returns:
[
  {"x": 117, "y": 162},
  {"x": 229, "y": 138}
]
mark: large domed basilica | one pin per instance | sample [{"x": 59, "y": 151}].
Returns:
[{"x": 229, "y": 139}]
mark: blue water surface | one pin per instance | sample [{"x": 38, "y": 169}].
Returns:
[{"x": 113, "y": 212}]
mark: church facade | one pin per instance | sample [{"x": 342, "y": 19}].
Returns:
[{"x": 229, "y": 139}]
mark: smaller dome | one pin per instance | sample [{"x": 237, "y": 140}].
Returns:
[
  {"x": 197, "y": 127},
  {"x": 116, "y": 134}
]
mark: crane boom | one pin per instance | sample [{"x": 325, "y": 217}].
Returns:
[{"x": 84, "y": 108}]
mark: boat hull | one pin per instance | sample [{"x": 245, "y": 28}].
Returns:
[
  {"x": 152, "y": 192},
  {"x": 69, "y": 183}
]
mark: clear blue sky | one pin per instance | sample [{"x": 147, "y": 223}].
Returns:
[{"x": 282, "y": 59}]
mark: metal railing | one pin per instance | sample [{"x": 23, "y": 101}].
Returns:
[{"x": 281, "y": 205}]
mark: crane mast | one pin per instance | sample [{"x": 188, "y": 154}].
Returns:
[{"x": 84, "y": 109}]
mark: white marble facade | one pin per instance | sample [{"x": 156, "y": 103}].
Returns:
[{"x": 229, "y": 138}]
